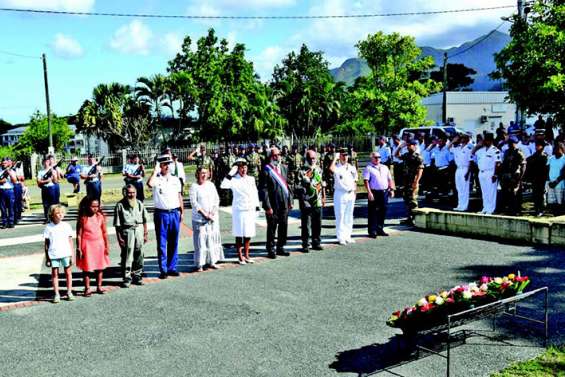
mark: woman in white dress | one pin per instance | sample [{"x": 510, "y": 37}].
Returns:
[
  {"x": 205, "y": 203},
  {"x": 244, "y": 204}
]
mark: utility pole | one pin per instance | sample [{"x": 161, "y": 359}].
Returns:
[
  {"x": 519, "y": 115},
  {"x": 46, "y": 82},
  {"x": 444, "y": 104}
]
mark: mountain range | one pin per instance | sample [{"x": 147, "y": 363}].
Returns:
[{"x": 479, "y": 57}]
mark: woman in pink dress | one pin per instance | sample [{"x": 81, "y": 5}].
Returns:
[{"x": 92, "y": 243}]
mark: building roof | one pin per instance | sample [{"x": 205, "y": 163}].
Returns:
[
  {"x": 467, "y": 98},
  {"x": 18, "y": 131}
]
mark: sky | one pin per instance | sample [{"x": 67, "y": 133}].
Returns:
[{"x": 84, "y": 51}]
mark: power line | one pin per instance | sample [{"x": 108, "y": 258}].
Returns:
[
  {"x": 481, "y": 40},
  {"x": 19, "y": 55},
  {"x": 291, "y": 17}
]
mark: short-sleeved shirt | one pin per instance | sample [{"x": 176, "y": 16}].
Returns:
[
  {"x": 385, "y": 153},
  {"x": 556, "y": 166},
  {"x": 442, "y": 156},
  {"x": 412, "y": 164},
  {"x": 378, "y": 176},
  {"x": 40, "y": 175},
  {"x": 345, "y": 177},
  {"x": 487, "y": 159},
  {"x": 58, "y": 236},
  {"x": 166, "y": 191},
  {"x": 133, "y": 170},
  {"x": 126, "y": 216},
  {"x": 74, "y": 170},
  {"x": 86, "y": 169},
  {"x": 462, "y": 155}
]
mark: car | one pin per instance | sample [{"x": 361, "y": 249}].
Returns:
[{"x": 446, "y": 131}]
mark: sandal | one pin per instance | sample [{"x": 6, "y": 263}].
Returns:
[
  {"x": 101, "y": 291},
  {"x": 87, "y": 293}
]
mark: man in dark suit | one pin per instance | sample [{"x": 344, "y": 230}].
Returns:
[{"x": 277, "y": 200}]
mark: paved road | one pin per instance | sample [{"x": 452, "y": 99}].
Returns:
[{"x": 317, "y": 314}]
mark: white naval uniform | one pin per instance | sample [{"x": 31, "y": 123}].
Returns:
[
  {"x": 487, "y": 160},
  {"x": 244, "y": 204},
  {"x": 345, "y": 183},
  {"x": 462, "y": 158}
]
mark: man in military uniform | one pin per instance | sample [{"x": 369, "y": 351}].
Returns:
[
  {"x": 413, "y": 167},
  {"x": 536, "y": 174},
  {"x": 253, "y": 162},
  {"x": 294, "y": 163},
  {"x": 130, "y": 221},
  {"x": 511, "y": 174},
  {"x": 225, "y": 163},
  {"x": 327, "y": 173},
  {"x": 203, "y": 160},
  {"x": 312, "y": 197}
]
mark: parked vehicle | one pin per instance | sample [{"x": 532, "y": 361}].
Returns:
[{"x": 447, "y": 131}]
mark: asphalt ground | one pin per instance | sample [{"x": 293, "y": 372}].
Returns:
[{"x": 316, "y": 314}]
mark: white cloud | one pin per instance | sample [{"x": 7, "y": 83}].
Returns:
[
  {"x": 172, "y": 43},
  {"x": 132, "y": 38},
  {"x": 265, "y": 61},
  {"x": 58, "y": 5},
  {"x": 66, "y": 47}
]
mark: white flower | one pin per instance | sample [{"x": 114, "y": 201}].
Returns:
[
  {"x": 484, "y": 287},
  {"x": 422, "y": 302},
  {"x": 467, "y": 295},
  {"x": 439, "y": 300}
]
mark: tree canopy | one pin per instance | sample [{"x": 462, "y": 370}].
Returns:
[
  {"x": 533, "y": 63},
  {"x": 458, "y": 76},
  {"x": 36, "y": 136}
]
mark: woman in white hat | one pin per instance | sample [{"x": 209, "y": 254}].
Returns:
[{"x": 244, "y": 204}]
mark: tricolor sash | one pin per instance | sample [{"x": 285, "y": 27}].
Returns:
[{"x": 278, "y": 178}]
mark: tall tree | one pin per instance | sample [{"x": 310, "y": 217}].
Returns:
[
  {"x": 533, "y": 63},
  {"x": 390, "y": 97},
  {"x": 304, "y": 91},
  {"x": 36, "y": 136},
  {"x": 458, "y": 76}
]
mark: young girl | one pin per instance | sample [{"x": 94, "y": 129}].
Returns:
[
  {"x": 92, "y": 243},
  {"x": 58, "y": 250}
]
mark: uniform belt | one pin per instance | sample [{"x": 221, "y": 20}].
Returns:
[
  {"x": 442, "y": 168},
  {"x": 167, "y": 210}
]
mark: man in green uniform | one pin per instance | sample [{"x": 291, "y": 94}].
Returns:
[
  {"x": 130, "y": 221},
  {"x": 253, "y": 163},
  {"x": 327, "y": 174},
  {"x": 203, "y": 160},
  {"x": 294, "y": 164},
  {"x": 413, "y": 167},
  {"x": 225, "y": 161},
  {"x": 511, "y": 173},
  {"x": 312, "y": 197},
  {"x": 536, "y": 173}
]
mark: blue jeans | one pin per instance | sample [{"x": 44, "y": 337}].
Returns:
[
  {"x": 167, "y": 228},
  {"x": 7, "y": 199}
]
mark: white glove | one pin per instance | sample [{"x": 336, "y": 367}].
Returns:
[{"x": 233, "y": 171}]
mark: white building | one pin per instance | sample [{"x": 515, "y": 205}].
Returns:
[
  {"x": 472, "y": 111},
  {"x": 12, "y": 136}
]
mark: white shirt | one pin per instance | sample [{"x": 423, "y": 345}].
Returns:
[
  {"x": 166, "y": 191},
  {"x": 58, "y": 236},
  {"x": 345, "y": 177},
  {"x": 86, "y": 169},
  {"x": 462, "y": 155},
  {"x": 203, "y": 197},
  {"x": 487, "y": 158},
  {"x": 132, "y": 169},
  {"x": 527, "y": 149},
  {"x": 40, "y": 175},
  {"x": 244, "y": 189},
  {"x": 556, "y": 165}
]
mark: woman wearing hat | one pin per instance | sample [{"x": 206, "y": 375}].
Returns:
[
  {"x": 205, "y": 221},
  {"x": 244, "y": 204}
]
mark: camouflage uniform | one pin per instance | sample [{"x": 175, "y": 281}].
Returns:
[
  {"x": 510, "y": 180},
  {"x": 294, "y": 165},
  {"x": 327, "y": 174},
  {"x": 309, "y": 188},
  {"x": 412, "y": 163},
  {"x": 206, "y": 162},
  {"x": 254, "y": 165},
  {"x": 225, "y": 162}
]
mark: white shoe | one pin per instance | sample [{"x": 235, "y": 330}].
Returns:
[
  {"x": 457, "y": 209},
  {"x": 351, "y": 240},
  {"x": 249, "y": 260},
  {"x": 342, "y": 242},
  {"x": 242, "y": 262}
]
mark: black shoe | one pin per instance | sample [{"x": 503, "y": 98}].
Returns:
[
  {"x": 283, "y": 253},
  {"x": 125, "y": 284},
  {"x": 11, "y": 226},
  {"x": 305, "y": 250},
  {"x": 317, "y": 247},
  {"x": 173, "y": 273},
  {"x": 382, "y": 233},
  {"x": 138, "y": 282},
  {"x": 272, "y": 255},
  {"x": 163, "y": 275},
  {"x": 2, "y": 226}
]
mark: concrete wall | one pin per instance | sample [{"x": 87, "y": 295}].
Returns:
[{"x": 516, "y": 229}]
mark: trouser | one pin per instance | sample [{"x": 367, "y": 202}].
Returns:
[
  {"x": 132, "y": 254},
  {"x": 167, "y": 230},
  {"x": 410, "y": 198},
  {"x": 94, "y": 190},
  {"x": 277, "y": 223},
  {"x": 311, "y": 217},
  {"x": 398, "y": 174},
  {"x": 18, "y": 197},
  {"x": 377, "y": 211},
  {"x": 510, "y": 196},
  {"x": 344, "y": 204},
  {"x": 7, "y": 206},
  {"x": 538, "y": 195},
  {"x": 48, "y": 198},
  {"x": 463, "y": 186},
  {"x": 442, "y": 179},
  {"x": 488, "y": 190},
  {"x": 74, "y": 180}
]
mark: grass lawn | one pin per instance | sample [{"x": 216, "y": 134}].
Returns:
[{"x": 551, "y": 363}]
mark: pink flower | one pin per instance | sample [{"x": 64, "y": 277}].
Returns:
[{"x": 485, "y": 279}]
